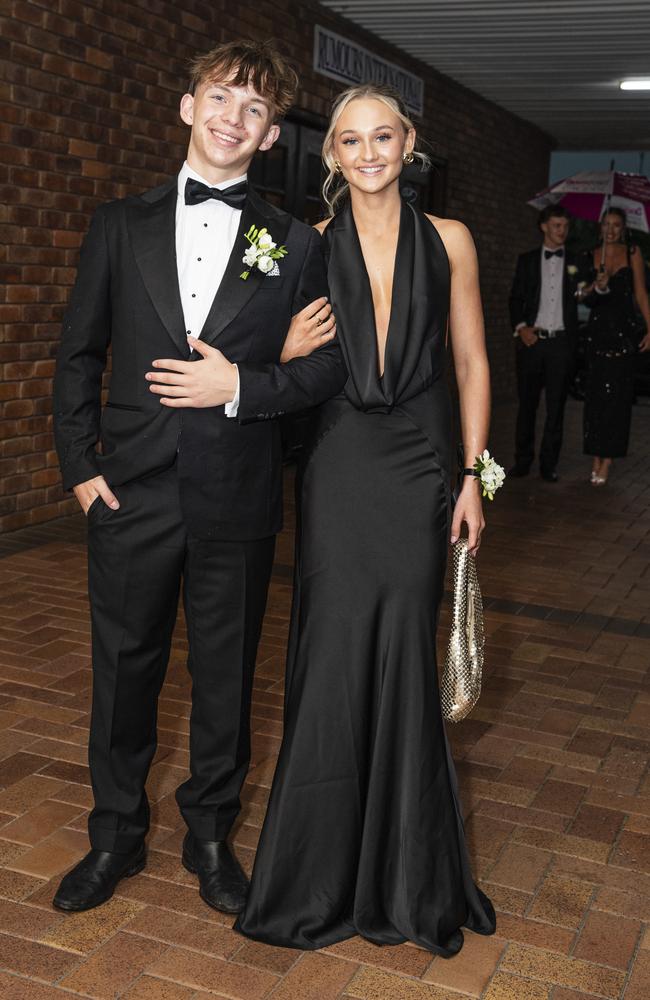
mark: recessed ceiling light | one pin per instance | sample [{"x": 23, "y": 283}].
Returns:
[{"x": 635, "y": 84}]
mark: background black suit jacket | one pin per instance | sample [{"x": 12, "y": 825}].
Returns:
[
  {"x": 527, "y": 285},
  {"x": 127, "y": 295}
]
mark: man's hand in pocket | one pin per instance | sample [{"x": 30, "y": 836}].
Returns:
[
  {"x": 528, "y": 335},
  {"x": 87, "y": 492}
]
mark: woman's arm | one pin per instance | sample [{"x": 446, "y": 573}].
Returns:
[
  {"x": 641, "y": 295},
  {"x": 588, "y": 293},
  {"x": 303, "y": 381},
  {"x": 472, "y": 371},
  {"x": 310, "y": 329},
  {"x": 313, "y": 326}
]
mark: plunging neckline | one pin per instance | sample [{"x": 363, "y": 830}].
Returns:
[
  {"x": 418, "y": 311},
  {"x": 623, "y": 267},
  {"x": 380, "y": 372}
]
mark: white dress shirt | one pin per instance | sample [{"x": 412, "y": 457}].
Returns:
[
  {"x": 550, "y": 314},
  {"x": 205, "y": 236}
]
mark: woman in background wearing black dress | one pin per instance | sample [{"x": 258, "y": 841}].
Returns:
[
  {"x": 616, "y": 292},
  {"x": 363, "y": 833}
]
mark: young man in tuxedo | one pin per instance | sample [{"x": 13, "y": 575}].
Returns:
[
  {"x": 180, "y": 474},
  {"x": 543, "y": 311}
]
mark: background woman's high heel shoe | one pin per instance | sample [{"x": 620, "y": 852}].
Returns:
[{"x": 603, "y": 472}]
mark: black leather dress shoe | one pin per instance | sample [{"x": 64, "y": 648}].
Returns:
[
  {"x": 222, "y": 883},
  {"x": 519, "y": 471},
  {"x": 94, "y": 880},
  {"x": 550, "y": 476}
]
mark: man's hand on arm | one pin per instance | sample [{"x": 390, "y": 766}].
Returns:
[
  {"x": 87, "y": 492},
  {"x": 212, "y": 381}
]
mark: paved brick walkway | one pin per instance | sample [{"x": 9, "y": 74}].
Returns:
[{"x": 553, "y": 766}]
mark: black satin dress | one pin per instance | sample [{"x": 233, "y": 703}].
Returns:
[
  {"x": 611, "y": 346},
  {"x": 363, "y": 833}
]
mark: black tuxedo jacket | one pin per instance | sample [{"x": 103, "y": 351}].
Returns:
[
  {"x": 527, "y": 286},
  {"x": 126, "y": 295}
]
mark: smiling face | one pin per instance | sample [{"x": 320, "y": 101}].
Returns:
[
  {"x": 555, "y": 230},
  {"x": 229, "y": 124},
  {"x": 612, "y": 228},
  {"x": 369, "y": 143}
]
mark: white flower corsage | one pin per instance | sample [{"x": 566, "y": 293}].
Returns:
[
  {"x": 262, "y": 252},
  {"x": 572, "y": 270},
  {"x": 490, "y": 474}
]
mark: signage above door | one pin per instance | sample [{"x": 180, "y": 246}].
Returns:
[{"x": 349, "y": 63}]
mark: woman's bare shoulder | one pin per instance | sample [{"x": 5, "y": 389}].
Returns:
[
  {"x": 456, "y": 237},
  {"x": 322, "y": 226},
  {"x": 449, "y": 229}
]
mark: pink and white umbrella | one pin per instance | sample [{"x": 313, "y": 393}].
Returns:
[{"x": 589, "y": 193}]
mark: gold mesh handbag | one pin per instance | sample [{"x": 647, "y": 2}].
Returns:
[{"x": 460, "y": 686}]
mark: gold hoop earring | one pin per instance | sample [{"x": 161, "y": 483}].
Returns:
[
  {"x": 338, "y": 169},
  {"x": 408, "y": 157}
]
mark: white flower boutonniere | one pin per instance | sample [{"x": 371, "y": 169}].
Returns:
[
  {"x": 262, "y": 252},
  {"x": 572, "y": 270},
  {"x": 490, "y": 474}
]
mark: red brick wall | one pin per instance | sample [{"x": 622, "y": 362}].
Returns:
[{"x": 88, "y": 112}]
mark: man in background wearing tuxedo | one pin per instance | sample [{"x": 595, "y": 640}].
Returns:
[
  {"x": 180, "y": 475},
  {"x": 543, "y": 311}
]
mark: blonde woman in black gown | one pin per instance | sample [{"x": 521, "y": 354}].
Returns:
[{"x": 363, "y": 833}]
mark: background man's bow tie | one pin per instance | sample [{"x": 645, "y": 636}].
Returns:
[
  {"x": 196, "y": 193},
  {"x": 547, "y": 253}
]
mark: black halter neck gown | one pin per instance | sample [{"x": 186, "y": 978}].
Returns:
[{"x": 363, "y": 833}]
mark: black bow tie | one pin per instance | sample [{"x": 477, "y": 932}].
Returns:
[
  {"x": 196, "y": 193},
  {"x": 547, "y": 253}
]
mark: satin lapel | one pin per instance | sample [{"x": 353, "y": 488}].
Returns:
[
  {"x": 352, "y": 305},
  {"x": 152, "y": 231},
  {"x": 234, "y": 292},
  {"x": 420, "y": 311},
  {"x": 397, "y": 338}
]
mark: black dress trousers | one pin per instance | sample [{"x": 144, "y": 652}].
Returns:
[
  {"x": 545, "y": 365},
  {"x": 139, "y": 556}
]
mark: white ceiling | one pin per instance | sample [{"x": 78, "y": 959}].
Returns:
[{"x": 556, "y": 63}]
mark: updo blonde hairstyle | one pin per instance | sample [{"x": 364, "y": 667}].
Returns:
[{"x": 335, "y": 188}]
